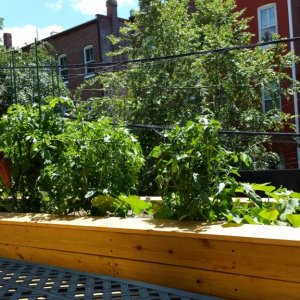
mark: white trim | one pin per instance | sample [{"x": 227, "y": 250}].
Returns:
[
  {"x": 259, "y": 9},
  {"x": 87, "y": 76},
  {"x": 296, "y": 108}
]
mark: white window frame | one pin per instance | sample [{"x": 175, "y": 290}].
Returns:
[
  {"x": 62, "y": 69},
  {"x": 259, "y": 10},
  {"x": 265, "y": 98},
  {"x": 86, "y": 62}
]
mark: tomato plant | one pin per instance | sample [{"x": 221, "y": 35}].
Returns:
[
  {"x": 60, "y": 165},
  {"x": 196, "y": 175}
]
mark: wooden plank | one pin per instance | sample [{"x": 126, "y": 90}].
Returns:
[
  {"x": 190, "y": 279},
  {"x": 74, "y": 261},
  {"x": 276, "y": 235},
  {"x": 205, "y": 260},
  {"x": 224, "y": 256},
  {"x": 220, "y": 284}
]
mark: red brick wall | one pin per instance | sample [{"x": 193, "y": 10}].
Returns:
[
  {"x": 72, "y": 44},
  {"x": 288, "y": 150},
  {"x": 251, "y": 11}
]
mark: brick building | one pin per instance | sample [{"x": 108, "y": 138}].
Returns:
[
  {"x": 281, "y": 17},
  {"x": 85, "y": 44}
]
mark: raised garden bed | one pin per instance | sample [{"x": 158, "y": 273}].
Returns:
[{"x": 245, "y": 262}]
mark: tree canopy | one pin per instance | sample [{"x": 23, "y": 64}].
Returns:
[
  {"x": 29, "y": 77},
  {"x": 1, "y": 27},
  {"x": 228, "y": 85}
]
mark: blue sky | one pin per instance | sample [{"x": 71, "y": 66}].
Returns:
[{"x": 25, "y": 18}]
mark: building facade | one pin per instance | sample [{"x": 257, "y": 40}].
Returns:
[
  {"x": 78, "y": 49},
  {"x": 278, "y": 17}
]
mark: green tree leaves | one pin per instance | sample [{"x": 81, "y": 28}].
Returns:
[
  {"x": 63, "y": 164},
  {"x": 20, "y": 82},
  {"x": 227, "y": 84}
]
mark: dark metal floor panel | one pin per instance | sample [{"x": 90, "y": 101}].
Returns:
[{"x": 25, "y": 281}]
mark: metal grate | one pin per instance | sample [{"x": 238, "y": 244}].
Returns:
[{"x": 26, "y": 281}]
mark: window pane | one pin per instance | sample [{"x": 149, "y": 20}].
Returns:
[
  {"x": 64, "y": 74},
  {"x": 89, "y": 54},
  {"x": 268, "y": 105},
  {"x": 273, "y": 29},
  {"x": 90, "y": 69},
  {"x": 272, "y": 104},
  {"x": 266, "y": 35},
  {"x": 63, "y": 60},
  {"x": 264, "y": 18},
  {"x": 271, "y": 97},
  {"x": 272, "y": 16}
]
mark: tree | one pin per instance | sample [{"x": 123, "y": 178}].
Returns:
[
  {"x": 1, "y": 28},
  {"x": 226, "y": 85},
  {"x": 29, "y": 77}
]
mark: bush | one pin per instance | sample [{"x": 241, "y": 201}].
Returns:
[
  {"x": 59, "y": 166},
  {"x": 97, "y": 159},
  {"x": 195, "y": 173},
  {"x": 27, "y": 139}
]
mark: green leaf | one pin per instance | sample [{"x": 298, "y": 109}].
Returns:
[
  {"x": 269, "y": 214},
  {"x": 249, "y": 220},
  {"x": 264, "y": 187},
  {"x": 137, "y": 205},
  {"x": 233, "y": 218},
  {"x": 156, "y": 152},
  {"x": 287, "y": 207},
  {"x": 295, "y": 195},
  {"x": 246, "y": 159},
  {"x": 294, "y": 219},
  {"x": 102, "y": 201},
  {"x": 249, "y": 191}
]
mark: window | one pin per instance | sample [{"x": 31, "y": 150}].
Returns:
[
  {"x": 267, "y": 19},
  {"x": 89, "y": 60},
  {"x": 63, "y": 71},
  {"x": 271, "y": 97}
]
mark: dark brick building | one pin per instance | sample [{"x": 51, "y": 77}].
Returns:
[{"x": 80, "y": 47}]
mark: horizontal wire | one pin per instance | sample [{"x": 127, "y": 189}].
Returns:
[{"x": 168, "y": 57}]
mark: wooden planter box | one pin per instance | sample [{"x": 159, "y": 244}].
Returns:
[{"x": 246, "y": 262}]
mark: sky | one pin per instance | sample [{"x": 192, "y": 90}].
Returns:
[{"x": 27, "y": 19}]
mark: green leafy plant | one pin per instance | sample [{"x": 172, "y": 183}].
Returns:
[
  {"x": 274, "y": 207},
  {"x": 26, "y": 83},
  {"x": 26, "y": 137},
  {"x": 60, "y": 165},
  {"x": 98, "y": 159},
  {"x": 196, "y": 175},
  {"x": 123, "y": 206}
]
